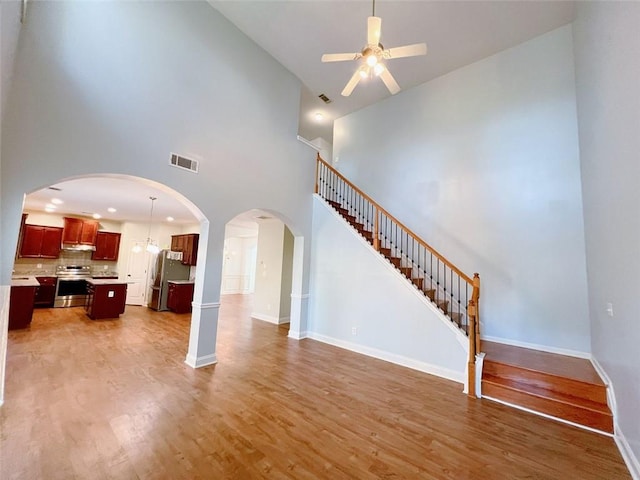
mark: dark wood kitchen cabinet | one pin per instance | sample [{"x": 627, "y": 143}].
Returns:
[
  {"x": 180, "y": 296},
  {"x": 40, "y": 242},
  {"x": 188, "y": 245},
  {"x": 107, "y": 246},
  {"x": 105, "y": 299},
  {"x": 79, "y": 232},
  {"x": 46, "y": 292}
]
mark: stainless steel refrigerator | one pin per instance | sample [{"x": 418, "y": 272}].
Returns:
[{"x": 165, "y": 269}]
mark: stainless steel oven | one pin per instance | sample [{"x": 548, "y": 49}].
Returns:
[{"x": 71, "y": 286}]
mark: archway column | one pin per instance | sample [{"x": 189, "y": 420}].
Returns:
[
  {"x": 299, "y": 294},
  {"x": 206, "y": 298}
]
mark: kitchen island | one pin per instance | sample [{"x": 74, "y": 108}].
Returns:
[
  {"x": 23, "y": 292},
  {"x": 105, "y": 298}
]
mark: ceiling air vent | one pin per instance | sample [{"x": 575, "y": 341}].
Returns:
[
  {"x": 324, "y": 98},
  {"x": 184, "y": 163}
]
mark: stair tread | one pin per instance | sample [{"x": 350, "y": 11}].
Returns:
[
  {"x": 564, "y": 366},
  {"x": 556, "y": 396}
]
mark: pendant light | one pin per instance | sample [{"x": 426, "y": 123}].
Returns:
[{"x": 152, "y": 247}]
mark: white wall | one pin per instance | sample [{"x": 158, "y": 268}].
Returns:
[
  {"x": 238, "y": 267},
  {"x": 352, "y": 286},
  {"x": 286, "y": 277},
  {"x": 607, "y": 51},
  {"x": 270, "y": 279},
  {"x": 177, "y": 77},
  {"x": 483, "y": 164}
]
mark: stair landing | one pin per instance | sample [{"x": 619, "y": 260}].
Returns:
[{"x": 563, "y": 387}]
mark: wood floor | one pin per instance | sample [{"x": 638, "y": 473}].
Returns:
[{"x": 113, "y": 399}]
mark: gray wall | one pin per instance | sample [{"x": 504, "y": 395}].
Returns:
[
  {"x": 483, "y": 164},
  {"x": 115, "y": 87},
  {"x": 607, "y": 54}
]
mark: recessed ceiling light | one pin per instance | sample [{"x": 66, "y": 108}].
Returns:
[
  {"x": 50, "y": 206},
  {"x": 319, "y": 117},
  {"x": 170, "y": 219},
  {"x": 96, "y": 216},
  {"x": 111, "y": 210},
  {"x": 56, "y": 201}
]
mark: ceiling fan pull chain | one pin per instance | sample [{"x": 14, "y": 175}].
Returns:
[{"x": 374, "y": 8}]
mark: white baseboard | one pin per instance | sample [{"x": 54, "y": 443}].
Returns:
[
  {"x": 391, "y": 357},
  {"x": 627, "y": 453},
  {"x": 270, "y": 318},
  {"x": 535, "y": 346},
  {"x": 297, "y": 335},
  {"x": 198, "y": 362}
]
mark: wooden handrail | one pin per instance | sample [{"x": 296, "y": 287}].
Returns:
[{"x": 400, "y": 224}]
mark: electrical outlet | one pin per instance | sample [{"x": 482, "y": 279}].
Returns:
[
  {"x": 354, "y": 330},
  {"x": 105, "y": 267},
  {"x": 111, "y": 294},
  {"x": 609, "y": 309},
  {"x": 39, "y": 265}
]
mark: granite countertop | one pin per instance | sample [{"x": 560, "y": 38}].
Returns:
[
  {"x": 25, "y": 281},
  {"x": 106, "y": 281},
  {"x": 181, "y": 282}
]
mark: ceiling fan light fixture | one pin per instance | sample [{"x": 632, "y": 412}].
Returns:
[
  {"x": 364, "y": 72},
  {"x": 372, "y": 60},
  {"x": 378, "y": 69}
]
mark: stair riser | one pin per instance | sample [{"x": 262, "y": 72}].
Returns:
[
  {"x": 567, "y": 386},
  {"x": 576, "y": 414}
]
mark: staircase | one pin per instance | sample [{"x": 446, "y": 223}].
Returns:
[
  {"x": 453, "y": 292},
  {"x": 563, "y": 387}
]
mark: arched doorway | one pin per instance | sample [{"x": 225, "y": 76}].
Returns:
[{"x": 263, "y": 256}]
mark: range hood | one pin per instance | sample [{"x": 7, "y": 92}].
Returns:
[{"x": 72, "y": 247}]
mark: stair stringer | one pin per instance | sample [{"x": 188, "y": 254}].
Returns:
[{"x": 331, "y": 228}]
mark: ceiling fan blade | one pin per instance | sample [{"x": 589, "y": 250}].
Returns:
[
  {"x": 351, "y": 84},
  {"x": 338, "y": 57},
  {"x": 389, "y": 81},
  {"x": 374, "y": 25},
  {"x": 408, "y": 50}
]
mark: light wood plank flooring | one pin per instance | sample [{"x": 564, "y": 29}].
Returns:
[{"x": 112, "y": 399}]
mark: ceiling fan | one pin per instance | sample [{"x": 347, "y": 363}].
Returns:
[{"x": 374, "y": 55}]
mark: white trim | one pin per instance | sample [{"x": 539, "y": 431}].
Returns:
[
  {"x": 535, "y": 346},
  {"x": 551, "y": 417},
  {"x": 297, "y": 335},
  {"x": 271, "y": 318},
  {"x": 479, "y": 366},
  {"x": 391, "y": 357},
  {"x": 298, "y": 296},
  {"x": 611, "y": 395},
  {"x": 308, "y": 143},
  {"x": 459, "y": 334},
  {"x": 199, "y": 362},
  {"x": 627, "y": 453},
  {"x": 205, "y": 306}
]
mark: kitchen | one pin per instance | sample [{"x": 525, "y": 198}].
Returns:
[{"x": 70, "y": 257}]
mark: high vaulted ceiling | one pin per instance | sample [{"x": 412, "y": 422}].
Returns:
[
  {"x": 457, "y": 33},
  {"x": 298, "y": 32}
]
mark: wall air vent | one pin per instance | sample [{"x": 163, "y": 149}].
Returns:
[
  {"x": 324, "y": 98},
  {"x": 184, "y": 163}
]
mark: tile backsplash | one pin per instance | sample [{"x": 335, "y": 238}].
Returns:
[{"x": 29, "y": 266}]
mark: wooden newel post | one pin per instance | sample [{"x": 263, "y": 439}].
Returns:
[
  {"x": 376, "y": 237},
  {"x": 471, "y": 362},
  {"x": 476, "y": 299},
  {"x": 318, "y": 158}
]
